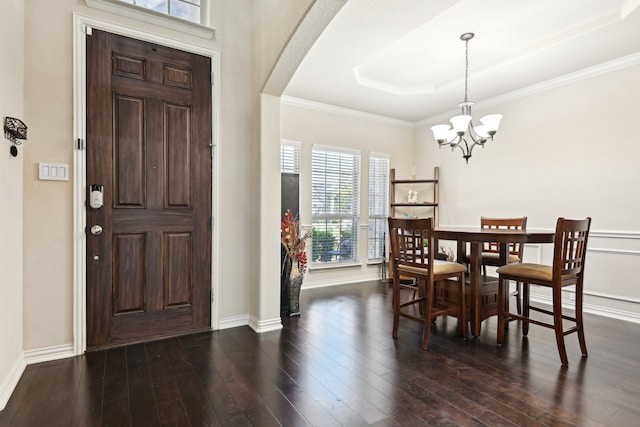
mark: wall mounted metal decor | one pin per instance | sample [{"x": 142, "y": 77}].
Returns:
[{"x": 15, "y": 131}]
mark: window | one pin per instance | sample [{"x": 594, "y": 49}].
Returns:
[
  {"x": 290, "y": 157},
  {"x": 187, "y": 16},
  {"x": 335, "y": 202},
  {"x": 378, "y": 204},
  {"x": 188, "y": 10}
]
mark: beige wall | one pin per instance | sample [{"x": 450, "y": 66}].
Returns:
[
  {"x": 48, "y": 218},
  {"x": 11, "y": 198},
  {"x": 48, "y": 204}
]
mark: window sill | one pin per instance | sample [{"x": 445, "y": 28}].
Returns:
[
  {"x": 332, "y": 265},
  {"x": 152, "y": 17}
]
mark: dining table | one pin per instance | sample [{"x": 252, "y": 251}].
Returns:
[{"x": 476, "y": 237}]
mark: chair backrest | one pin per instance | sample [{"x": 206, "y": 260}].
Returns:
[
  {"x": 570, "y": 247},
  {"x": 407, "y": 237},
  {"x": 346, "y": 247},
  {"x": 504, "y": 224}
]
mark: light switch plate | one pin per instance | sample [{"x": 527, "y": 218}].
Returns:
[{"x": 53, "y": 171}]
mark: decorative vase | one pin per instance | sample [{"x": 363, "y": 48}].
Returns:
[{"x": 295, "y": 283}]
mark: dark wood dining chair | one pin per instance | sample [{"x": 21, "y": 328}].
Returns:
[
  {"x": 491, "y": 250},
  {"x": 413, "y": 259},
  {"x": 569, "y": 252}
]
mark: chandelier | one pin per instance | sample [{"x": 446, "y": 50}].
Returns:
[{"x": 464, "y": 135}]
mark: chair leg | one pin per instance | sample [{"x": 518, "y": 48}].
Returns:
[
  {"x": 507, "y": 296},
  {"x": 427, "y": 304},
  {"x": 557, "y": 325},
  {"x": 396, "y": 304},
  {"x": 517, "y": 294},
  {"x": 579, "y": 324},
  {"x": 501, "y": 316},
  {"x": 462, "y": 321},
  {"x": 525, "y": 308}
]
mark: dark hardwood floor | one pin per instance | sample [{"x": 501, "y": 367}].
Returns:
[{"x": 337, "y": 365}]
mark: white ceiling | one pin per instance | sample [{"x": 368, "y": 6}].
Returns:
[{"x": 404, "y": 59}]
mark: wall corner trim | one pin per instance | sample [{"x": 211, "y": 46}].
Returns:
[
  {"x": 261, "y": 326},
  {"x": 9, "y": 383}
]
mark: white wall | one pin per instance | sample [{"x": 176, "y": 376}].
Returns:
[
  {"x": 11, "y": 184},
  {"x": 302, "y": 122},
  {"x": 569, "y": 151}
]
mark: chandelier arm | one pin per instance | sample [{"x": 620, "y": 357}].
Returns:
[
  {"x": 471, "y": 148},
  {"x": 477, "y": 139},
  {"x": 465, "y": 149}
]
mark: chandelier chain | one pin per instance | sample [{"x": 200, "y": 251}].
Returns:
[{"x": 466, "y": 70}]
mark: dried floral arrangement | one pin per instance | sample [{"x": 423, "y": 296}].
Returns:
[{"x": 293, "y": 242}]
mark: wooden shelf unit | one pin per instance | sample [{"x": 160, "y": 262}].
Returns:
[{"x": 393, "y": 182}]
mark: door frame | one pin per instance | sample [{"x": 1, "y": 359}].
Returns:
[{"x": 82, "y": 24}]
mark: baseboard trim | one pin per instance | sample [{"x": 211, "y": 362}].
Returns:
[
  {"x": 598, "y": 310},
  {"x": 234, "y": 322},
  {"x": 340, "y": 281},
  {"x": 11, "y": 381},
  {"x": 48, "y": 354},
  {"x": 261, "y": 326}
]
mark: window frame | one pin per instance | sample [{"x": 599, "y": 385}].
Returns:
[
  {"x": 341, "y": 226},
  {"x": 378, "y": 212}
]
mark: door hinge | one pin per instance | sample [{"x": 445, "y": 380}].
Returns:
[
  {"x": 211, "y": 293},
  {"x": 88, "y": 30},
  {"x": 81, "y": 144}
]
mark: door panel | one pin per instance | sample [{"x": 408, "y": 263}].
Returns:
[
  {"x": 148, "y": 144},
  {"x": 129, "y": 150},
  {"x": 128, "y": 274}
]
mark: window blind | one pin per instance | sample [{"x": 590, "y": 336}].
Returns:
[
  {"x": 378, "y": 204},
  {"x": 290, "y": 157},
  {"x": 335, "y": 204}
]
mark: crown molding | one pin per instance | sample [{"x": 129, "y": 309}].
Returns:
[{"x": 567, "y": 79}]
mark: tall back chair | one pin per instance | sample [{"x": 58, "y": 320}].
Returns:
[
  {"x": 569, "y": 251},
  {"x": 491, "y": 250},
  {"x": 414, "y": 259}
]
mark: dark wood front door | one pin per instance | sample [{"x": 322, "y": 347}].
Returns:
[{"x": 148, "y": 145}]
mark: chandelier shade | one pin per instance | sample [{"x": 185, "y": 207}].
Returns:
[{"x": 462, "y": 133}]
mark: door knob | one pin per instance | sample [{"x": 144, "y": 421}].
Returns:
[{"x": 96, "y": 230}]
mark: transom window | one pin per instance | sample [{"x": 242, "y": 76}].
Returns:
[{"x": 189, "y": 10}]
